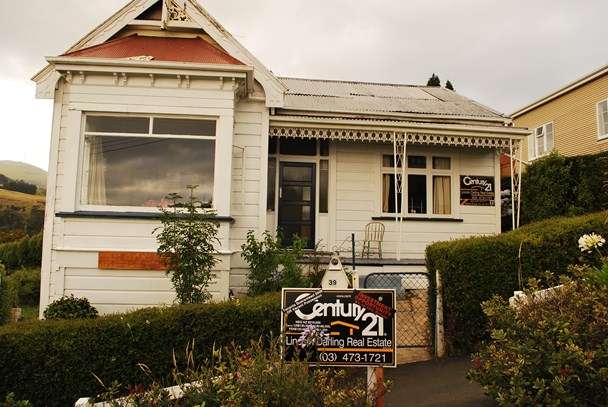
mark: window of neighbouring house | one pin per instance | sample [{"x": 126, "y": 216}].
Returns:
[
  {"x": 541, "y": 141},
  {"x": 602, "y": 118},
  {"x": 422, "y": 184},
  {"x": 135, "y": 161}
]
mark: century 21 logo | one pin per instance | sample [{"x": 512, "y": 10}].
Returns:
[
  {"x": 338, "y": 309},
  {"x": 483, "y": 183}
]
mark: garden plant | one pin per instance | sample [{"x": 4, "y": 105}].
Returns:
[{"x": 551, "y": 347}]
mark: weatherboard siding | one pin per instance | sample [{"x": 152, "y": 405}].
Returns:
[
  {"x": 574, "y": 117},
  {"x": 359, "y": 190},
  {"x": 71, "y": 249}
]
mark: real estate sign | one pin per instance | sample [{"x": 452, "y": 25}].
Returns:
[
  {"x": 477, "y": 190},
  {"x": 348, "y": 327}
]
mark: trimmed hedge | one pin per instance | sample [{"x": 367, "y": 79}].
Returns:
[
  {"x": 26, "y": 252},
  {"x": 564, "y": 186},
  {"x": 52, "y": 363},
  {"x": 475, "y": 269}
]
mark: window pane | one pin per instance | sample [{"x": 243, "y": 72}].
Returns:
[
  {"x": 324, "y": 186},
  {"x": 441, "y": 163},
  {"x": 272, "y": 176},
  {"x": 136, "y": 171},
  {"x": 298, "y": 147},
  {"x": 184, "y": 127},
  {"x": 388, "y": 161},
  {"x": 324, "y": 148},
  {"x": 272, "y": 145},
  {"x": 297, "y": 174},
  {"x": 416, "y": 193},
  {"x": 117, "y": 124},
  {"x": 416, "y": 161},
  {"x": 540, "y": 145},
  {"x": 388, "y": 194},
  {"x": 442, "y": 195},
  {"x": 531, "y": 146},
  {"x": 549, "y": 137}
]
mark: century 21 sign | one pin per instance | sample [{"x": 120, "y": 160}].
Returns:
[{"x": 350, "y": 327}]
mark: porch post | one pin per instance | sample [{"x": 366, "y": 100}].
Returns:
[
  {"x": 519, "y": 172},
  {"x": 399, "y": 155},
  {"x": 512, "y": 168}
]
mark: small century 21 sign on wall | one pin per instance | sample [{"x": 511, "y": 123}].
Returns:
[{"x": 477, "y": 191}]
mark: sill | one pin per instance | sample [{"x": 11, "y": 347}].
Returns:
[
  {"x": 419, "y": 219},
  {"x": 603, "y": 139},
  {"x": 126, "y": 215}
]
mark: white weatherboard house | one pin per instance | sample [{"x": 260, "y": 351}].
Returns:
[{"x": 161, "y": 96}]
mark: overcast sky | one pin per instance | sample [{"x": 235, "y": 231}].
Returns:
[{"x": 503, "y": 53}]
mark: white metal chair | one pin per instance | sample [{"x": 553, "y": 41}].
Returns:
[{"x": 374, "y": 235}]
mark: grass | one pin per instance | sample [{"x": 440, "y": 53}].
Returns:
[{"x": 12, "y": 198}]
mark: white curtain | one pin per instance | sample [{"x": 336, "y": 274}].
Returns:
[
  {"x": 386, "y": 192},
  {"x": 97, "y": 173},
  {"x": 442, "y": 196}
]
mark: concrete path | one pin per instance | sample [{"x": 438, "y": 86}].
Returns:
[{"x": 435, "y": 383}]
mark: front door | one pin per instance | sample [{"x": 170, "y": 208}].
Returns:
[{"x": 297, "y": 202}]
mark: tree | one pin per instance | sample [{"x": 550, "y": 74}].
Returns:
[
  {"x": 448, "y": 85},
  {"x": 434, "y": 81},
  {"x": 187, "y": 240}
]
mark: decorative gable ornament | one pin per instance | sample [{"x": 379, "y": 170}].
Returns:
[{"x": 175, "y": 11}]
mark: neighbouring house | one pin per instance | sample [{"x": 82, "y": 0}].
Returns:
[
  {"x": 161, "y": 96},
  {"x": 572, "y": 120}
]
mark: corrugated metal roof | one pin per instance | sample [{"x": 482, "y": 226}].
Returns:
[
  {"x": 195, "y": 50},
  {"x": 365, "y": 97}
]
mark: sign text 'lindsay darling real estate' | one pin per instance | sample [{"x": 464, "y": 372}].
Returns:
[{"x": 352, "y": 327}]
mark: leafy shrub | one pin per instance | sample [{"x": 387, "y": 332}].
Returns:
[
  {"x": 550, "y": 351},
  {"x": 272, "y": 266},
  {"x": 7, "y": 296},
  {"x": 26, "y": 286},
  {"x": 70, "y": 308},
  {"x": 251, "y": 376},
  {"x": 558, "y": 186},
  {"x": 11, "y": 402},
  {"x": 51, "y": 363},
  {"x": 23, "y": 253},
  {"x": 186, "y": 244},
  {"x": 473, "y": 270}
]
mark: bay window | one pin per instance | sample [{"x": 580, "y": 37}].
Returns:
[
  {"x": 423, "y": 184},
  {"x": 135, "y": 161}
]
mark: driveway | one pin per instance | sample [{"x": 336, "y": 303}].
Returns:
[{"x": 436, "y": 383}]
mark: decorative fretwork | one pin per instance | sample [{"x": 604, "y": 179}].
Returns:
[
  {"x": 399, "y": 160},
  {"x": 387, "y": 137},
  {"x": 175, "y": 12}
]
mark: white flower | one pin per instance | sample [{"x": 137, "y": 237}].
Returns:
[{"x": 589, "y": 242}]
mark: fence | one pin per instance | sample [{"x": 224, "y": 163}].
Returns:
[{"x": 413, "y": 316}]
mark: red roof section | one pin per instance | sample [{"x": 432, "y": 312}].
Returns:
[{"x": 195, "y": 50}]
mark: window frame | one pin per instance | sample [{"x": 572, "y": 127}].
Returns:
[
  {"x": 82, "y": 176},
  {"x": 429, "y": 172},
  {"x": 601, "y": 135},
  {"x": 533, "y": 155}
]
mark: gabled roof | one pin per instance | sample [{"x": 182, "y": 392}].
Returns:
[
  {"x": 195, "y": 50},
  {"x": 383, "y": 98},
  {"x": 565, "y": 89},
  {"x": 198, "y": 17}
]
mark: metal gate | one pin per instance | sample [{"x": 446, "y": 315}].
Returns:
[{"x": 413, "y": 316}]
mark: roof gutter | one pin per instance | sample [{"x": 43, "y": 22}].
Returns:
[
  {"x": 447, "y": 129},
  {"x": 500, "y": 120}
]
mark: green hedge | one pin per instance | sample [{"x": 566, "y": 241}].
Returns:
[
  {"x": 564, "y": 186},
  {"x": 475, "y": 269},
  {"x": 52, "y": 362},
  {"x": 26, "y": 252}
]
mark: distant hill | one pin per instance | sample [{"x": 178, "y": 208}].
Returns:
[
  {"x": 17, "y": 199},
  {"x": 26, "y": 172}
]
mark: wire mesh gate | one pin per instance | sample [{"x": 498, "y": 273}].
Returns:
[{"x": 413, "y": 316}]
